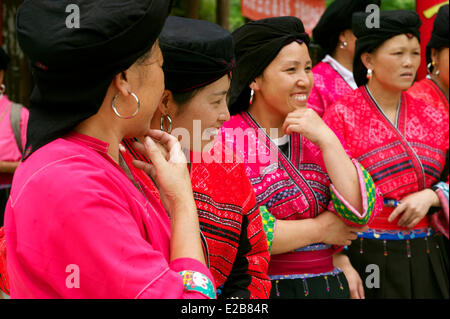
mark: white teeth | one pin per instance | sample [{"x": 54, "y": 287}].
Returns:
[{"x": 301, "y": 98}]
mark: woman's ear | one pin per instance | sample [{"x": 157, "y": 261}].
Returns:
[
  {"x": 121, "y": 83},
  {"x": 255, "y": 85},
  {"x": 367, "y": 60},
  {"x": 434, "y": 56},
  {"x": 166, "y": 101},
  {"x": 342, "y": 37}
]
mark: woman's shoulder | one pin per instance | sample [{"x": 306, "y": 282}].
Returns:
[
  {"x": 425, "y": 109},
  {"x": 64, "y": 167}
]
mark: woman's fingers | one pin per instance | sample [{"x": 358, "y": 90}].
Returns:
[
  {"x": 413, "y": 223},
  {"x": 397, "y": 211},
  {"x": 146, "y": 167},
  {"x": 154, "y": 153},
  {"x": 361, "y": 292}
]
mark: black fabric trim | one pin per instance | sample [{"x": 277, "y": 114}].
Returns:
[{"x": 238, "y": 282}]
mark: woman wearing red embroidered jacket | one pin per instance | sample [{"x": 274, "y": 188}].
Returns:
[
  {"x": 197, "y": 67},
  {"x": 402, "y": 143},
  {"x": 433, "y": 89},
  {"x": 292, "y": 175},
  {"x": 76, "y": 226},
  {"x": 333, "y": 76}
]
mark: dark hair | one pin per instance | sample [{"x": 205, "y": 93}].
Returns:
[
  {"x": 4, "y": 59},
  {"x": 185, "y": 97}
]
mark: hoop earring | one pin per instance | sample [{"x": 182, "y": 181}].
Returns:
[
  {"x": 369, "y": 74},
  {"x": 169, "y": 119},
  {"x": 252, "y": 94},
  {"x": 126, "y": 117}
]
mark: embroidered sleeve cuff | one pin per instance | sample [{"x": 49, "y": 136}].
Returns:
[
  {"x": 268, "y": 224},
  {"x": 369, "y": 196},
  {"x": 196, "y": 281}
]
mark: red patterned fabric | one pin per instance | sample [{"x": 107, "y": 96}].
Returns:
[
  {"x": 232, "y": 225},
  {"x": 4, "y": 280},
  {"x": 291, "y": 187},
  {"x": 431, "y": 94},
  {"x": 403, "y": 159},
  {"x": 328, "y": 88}
]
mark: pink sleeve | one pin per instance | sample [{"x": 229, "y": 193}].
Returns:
[
  {"x": 335, "y": 119},
  {"x": 129, "y": 263},
  {"x": 315, "y": 101},
  {"x": 95, "y": 224}
]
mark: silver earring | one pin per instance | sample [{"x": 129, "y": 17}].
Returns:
[
  {"x": 252, "y": 94},
  {"x": 343, "y": 45},
  {"x": 126, "y": 117},
  {"x": 169, "y": 119},
  {"x": 437, "y": 72}
]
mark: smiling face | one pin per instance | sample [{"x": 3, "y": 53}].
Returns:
[
  {"x": 286, "y": 82},
  {"x": 395, "y": 62},
  {"x": 201, "y": 116}
]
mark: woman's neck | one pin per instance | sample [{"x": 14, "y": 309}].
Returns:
[
  {"x": 387, "y": 99},
  {"x": 441, "y": 84},
  {"x": 95, "y": 127},
  {"x": 268, "y": 119},
  {"x": 344, "y": 59}
]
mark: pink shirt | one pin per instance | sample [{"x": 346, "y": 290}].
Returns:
[
  {"x": 329, "y": 87},
  {"x": 9, "y": 151},
  {"x": 77, "y": 227}
]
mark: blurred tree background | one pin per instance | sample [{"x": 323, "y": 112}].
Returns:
[
  {"x": 393, "y": 4},
  {"x": 206, "y": 9}
]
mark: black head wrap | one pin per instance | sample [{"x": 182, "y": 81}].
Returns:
[
  {"x": 439, "y": 36},
  {"x": 257, "y": 45},
  {"x": 73, "y": 67},
  {"x": 335, "y": 20},
  {"x": 4, "y": 59},
  {"x": 392, "y": 23},
  {"x": 199, "y": 55}
]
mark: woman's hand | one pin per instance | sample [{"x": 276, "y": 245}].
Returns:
[
  {"x": 334, "y": 231},
  {"x": 414, "y": 207},
  {"x": 355, "y": 283},
  {"x": 168, "y": 169},
  {"x": 308, "y": 123}
]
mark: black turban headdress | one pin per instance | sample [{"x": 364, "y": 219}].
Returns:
[
  {"x": 73, "y": 67},
  {"x": 335, "y": 20},
  {"x": 392, "y": 23},
  {"x": 4, "y": 59},
  {"x": 257, "y": 45},
  {"x": 439, "y": 36},
  {"x": 196, "y": 53}
]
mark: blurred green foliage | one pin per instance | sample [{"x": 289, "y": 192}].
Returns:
[
  {"x": 392, "y": 4},
  {"x": 208, "y": 9}
]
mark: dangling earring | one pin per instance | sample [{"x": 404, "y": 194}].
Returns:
[
  {"x": 343, "y": 45},
  {"x": 252, "y": 94},
  {"x": 169, "y": 119},
  {"x": 2, "y": 90},
  {"x": 437, "y": 72},
  {"x": 369, "y": 74},
  {"x": 126, "y": 117},
  {"x": 429, "y": 65}
]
